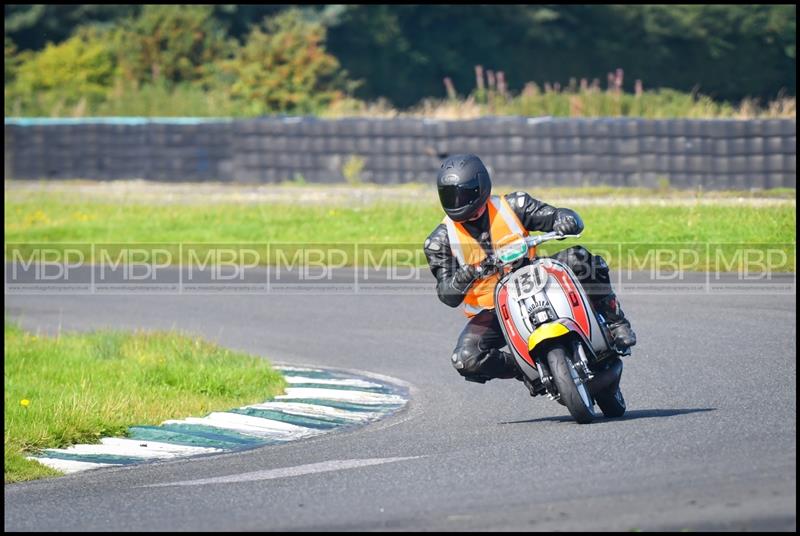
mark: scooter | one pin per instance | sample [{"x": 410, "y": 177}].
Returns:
[{"x": 562, "y": 345}]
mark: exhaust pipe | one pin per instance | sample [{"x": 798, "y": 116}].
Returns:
[{"x": 608, "y": 378}]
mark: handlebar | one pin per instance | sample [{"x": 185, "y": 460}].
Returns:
[{"x": 534, "y": 241}]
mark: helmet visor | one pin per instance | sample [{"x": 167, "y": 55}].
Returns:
[{"x": 456, "y": 196}]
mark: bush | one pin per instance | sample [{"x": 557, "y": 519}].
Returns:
[
  {"x": 161, "y": 100},
  {"x": 79, "y": 70},
  {"x": 283, "y": 67},
  {"x": 11, "y": 61},
  {"x": 168, "y": 60},
  {"x": 171, "y": 44}
]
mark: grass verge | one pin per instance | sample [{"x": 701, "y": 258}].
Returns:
[
  {"x": 67, "y": 390},
  {"x": 631, "y": 231}
]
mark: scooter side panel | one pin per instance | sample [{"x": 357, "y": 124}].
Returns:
[
  {"x": 569, "y": 300},
  {"x": 515, "y": 331}
]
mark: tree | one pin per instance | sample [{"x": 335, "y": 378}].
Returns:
[
  {"x": 172, "y": 44},
  {"x": 82, "y": 68},
  {"x": 403, "y": 52},
  {"x": 12, "y": 59},
  {"x": 283, "y": 66},
  {"x": 32, "y": 26}
]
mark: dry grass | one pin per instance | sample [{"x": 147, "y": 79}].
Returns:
[{"x": 578, "y": 99}]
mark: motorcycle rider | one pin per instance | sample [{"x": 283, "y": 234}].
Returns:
[{"x": 458, "y": 252}]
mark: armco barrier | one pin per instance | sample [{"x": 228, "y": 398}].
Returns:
[{"x": 714, "y": 154}]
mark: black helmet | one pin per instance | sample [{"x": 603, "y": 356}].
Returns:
[{"x": 464, "y": 186}]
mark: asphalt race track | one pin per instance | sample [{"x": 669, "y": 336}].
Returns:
[{"x": 708, "y": 442}]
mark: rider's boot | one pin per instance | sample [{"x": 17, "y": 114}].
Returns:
[
  {"x": 620, "y": 327},
  {"x": 513, "y": 371},
  {"x": 510, "y": 367},
  {"x": 497, "y": 364}
]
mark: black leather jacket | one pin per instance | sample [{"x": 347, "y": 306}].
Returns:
[{"x": 534, "y": 215}]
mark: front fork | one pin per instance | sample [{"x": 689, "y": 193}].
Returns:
[
  {"x": 579, "y": 360},
  {"x": 596, "y": 372}
]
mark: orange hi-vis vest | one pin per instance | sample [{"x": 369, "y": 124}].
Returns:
[{"x": 503, "y": 226}]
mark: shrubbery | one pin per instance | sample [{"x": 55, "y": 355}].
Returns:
[
  {"x": 283, "y": 67},
  {"x": 176, "y": 60},
  {"x": 75, "y": 74},
  {"x": 170, "y": 45},
  {"x": 210, "y": 60}
]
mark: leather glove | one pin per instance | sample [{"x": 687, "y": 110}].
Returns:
[
  {"x": 464, "y": 277},
  {"x": 488, "y": 266},
  {"x": 567, "y": 222}
]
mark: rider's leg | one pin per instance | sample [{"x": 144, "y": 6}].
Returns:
[
  {"x": 592, "y": 272},
  {"x": 477, "y": 355}
]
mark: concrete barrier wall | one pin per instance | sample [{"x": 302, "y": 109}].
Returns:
[{"x": 688, "y": 153}]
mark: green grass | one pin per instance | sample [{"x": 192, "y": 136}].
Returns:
[
  {"x": 76, "y": 388},
  {"x": 702, "y": 237},
  {"x": 46, "y": 218}
]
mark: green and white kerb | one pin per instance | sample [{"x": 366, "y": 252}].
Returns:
[{"x": 316, "y": 401}]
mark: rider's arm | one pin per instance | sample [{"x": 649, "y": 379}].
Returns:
[
  {"x": 452, "y": 281},
  {"x": 536, "y": 215}
]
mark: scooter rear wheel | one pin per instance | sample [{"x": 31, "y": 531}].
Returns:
[
  {"x": 611, "y": 403},
  {"x": 573, "y": 391},
  {"x": 610, "y": 399}
]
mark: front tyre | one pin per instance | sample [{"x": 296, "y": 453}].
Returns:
[{"x": 570, "y": 386}]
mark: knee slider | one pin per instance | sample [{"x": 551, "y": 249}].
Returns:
[{"x": 465, "y": 360}]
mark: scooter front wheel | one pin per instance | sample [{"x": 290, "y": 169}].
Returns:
[{"x": 570, "y": 386}]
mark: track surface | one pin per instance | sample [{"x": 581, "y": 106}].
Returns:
[{"x": 709, "y": 440}]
